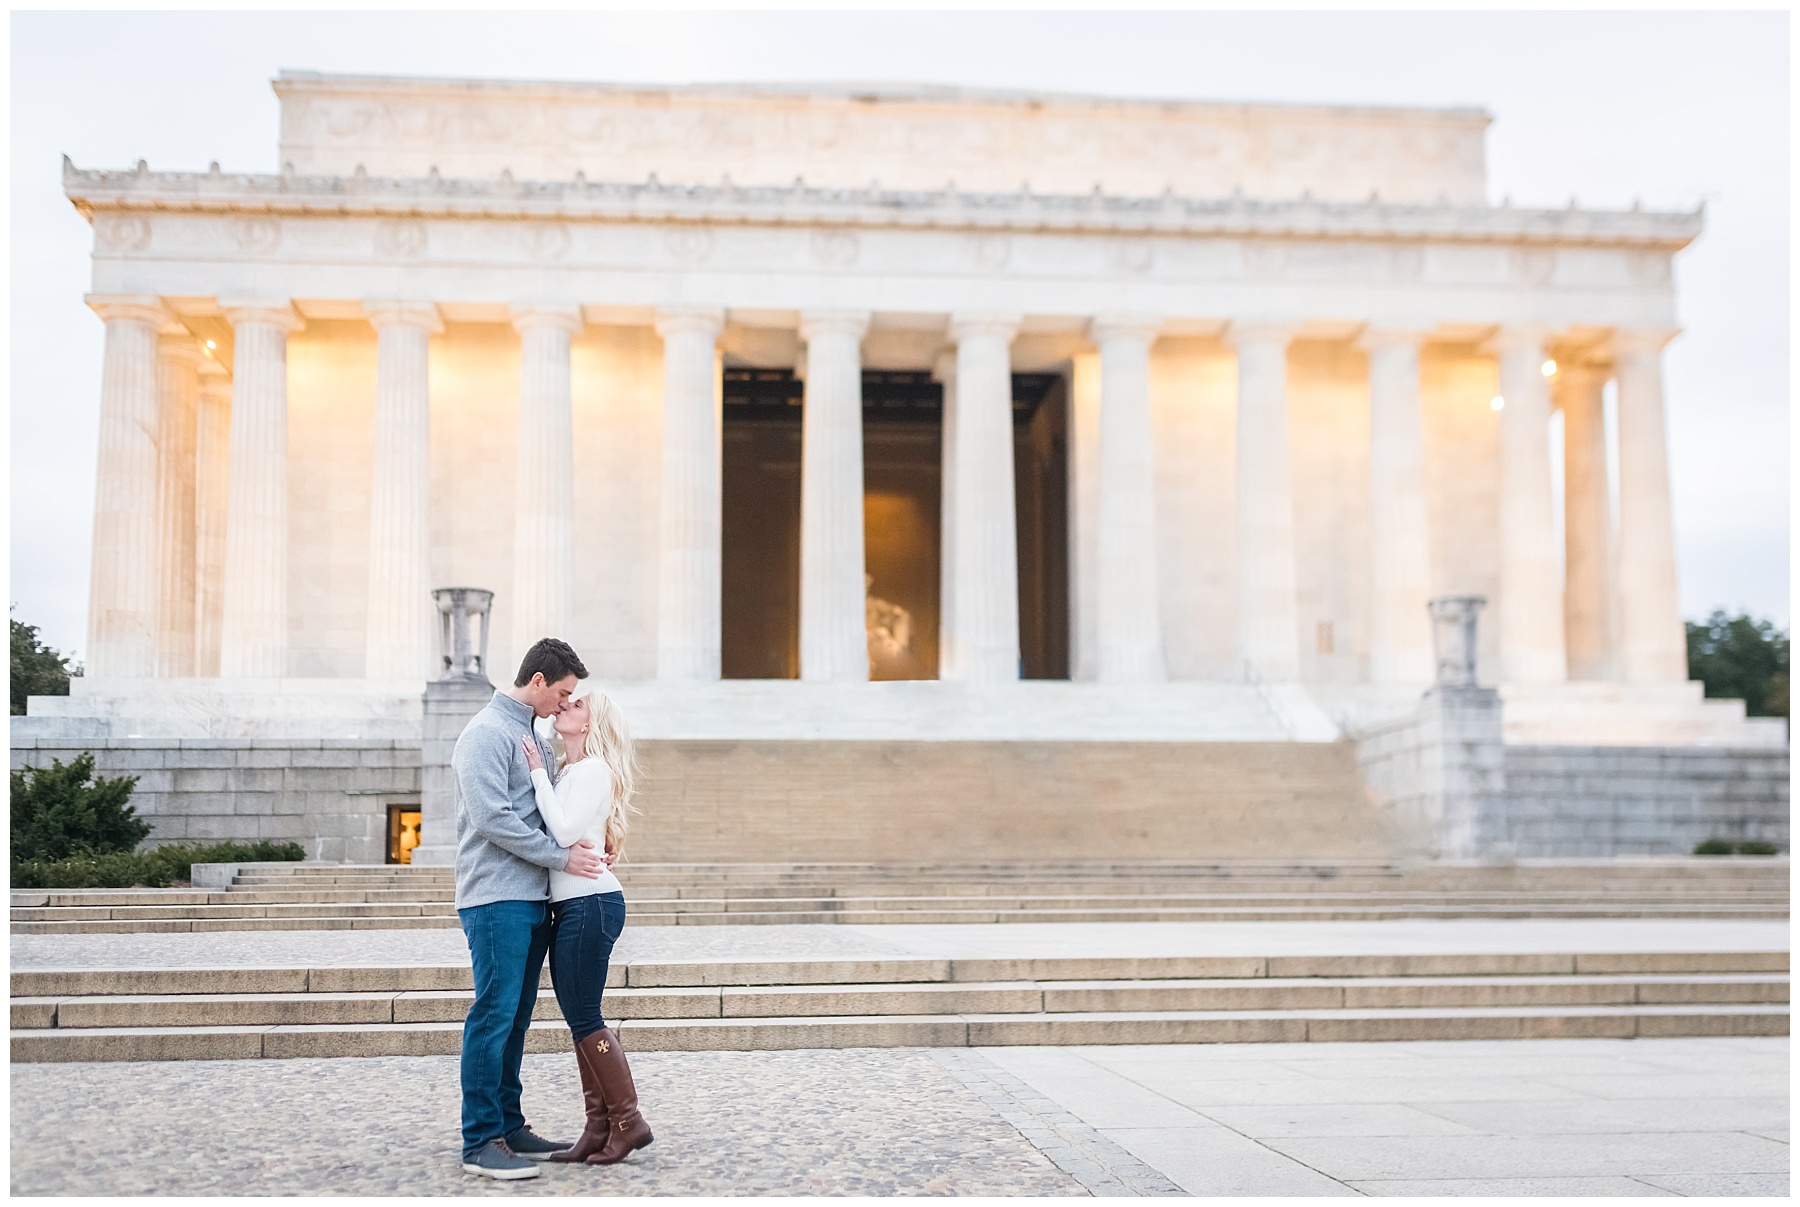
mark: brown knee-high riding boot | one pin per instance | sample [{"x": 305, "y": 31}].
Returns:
[
  {"x": 627, "y": 1132},
  {"x": 593, "y": 1097}
]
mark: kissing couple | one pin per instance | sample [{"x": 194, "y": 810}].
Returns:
[{"x": 535, "y": 846}]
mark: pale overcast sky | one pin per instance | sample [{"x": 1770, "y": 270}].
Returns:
[{"x": 1669, "y": 108}]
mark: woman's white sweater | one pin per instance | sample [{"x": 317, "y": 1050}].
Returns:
[{"x": 575, "y": 807}]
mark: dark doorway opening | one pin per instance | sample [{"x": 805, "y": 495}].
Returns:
[
  {"x": 1041, "y": 503},
  {"x": 903, "y": 491},
  {"x": 760, "y": 534},
  {"x": 903, "y": 420}
]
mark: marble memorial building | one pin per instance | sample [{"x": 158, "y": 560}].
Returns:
[{"x": 1061, "y": 419}]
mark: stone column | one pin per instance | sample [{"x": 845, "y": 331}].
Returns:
[
  {"x": 982, "y": 639},
  {"x": 401, "y": 617},
  {"x": 943, "y": 370},
  {"x": 1084, "y": 516},
  {"x": 688, "y": 578},
  {"x": 1268, "y": 619},
  {"x": 1127, "y": 594},
  {"x": 1652, "y": 645},
  {"x": 543, "y": 511},
  {"x": 253, "y": 632},
  {"x": 212, "y": 485},
  {"x": 1531, "y": 614},
  {"x": 833, "y": 629},
  {"x": 1399, "y": 555},
  {"x": 123, "y": 583},
  {"x": 177, "y": 397},
  {"x": 1587, "y": 525}
]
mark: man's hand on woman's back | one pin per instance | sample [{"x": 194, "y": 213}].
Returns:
[{"x": 584, "y": 860}]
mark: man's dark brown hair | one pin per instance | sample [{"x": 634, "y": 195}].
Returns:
[{"x": 552, "y": 659}]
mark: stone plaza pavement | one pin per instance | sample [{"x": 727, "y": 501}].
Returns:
[
  {"x": 1688, "y": 1116},
  {"x": 1524, "y": 1117}
]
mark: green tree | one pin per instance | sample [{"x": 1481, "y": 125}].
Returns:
[
  {"x": 57, "y": 813},
  {"x": 1741, "y": 658},
  {"x": 37, "y": 670}
]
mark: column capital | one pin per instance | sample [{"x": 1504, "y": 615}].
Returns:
[
  {"x": 138, "y": 307},
  {"x": 1642, "y": 339},
  {"x": 400, "y": 312},
  {"x": 973, "y": 324},
  {"x": 1579, "y": 374},
  {"x": 527, "y": 316},
  {"x": 1140, "y": 327},
  {"x": 277, "y": 312},
  {"x": 689, "y": 320},
  {"x": 175, "y": 342},
  {"x": 1374, "y": 337},
  {"x": 1241, "y": 333},
  {"x": 833, "y": 322},
  {"x": 1522, "y": 337}
]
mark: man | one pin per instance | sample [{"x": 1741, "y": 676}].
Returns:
[{"x": 503, "y": 862}]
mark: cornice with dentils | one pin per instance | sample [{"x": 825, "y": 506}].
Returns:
[{"x": 433, "y": 196}]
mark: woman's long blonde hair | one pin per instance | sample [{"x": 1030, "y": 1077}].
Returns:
[{"x": 609, "y": 740}]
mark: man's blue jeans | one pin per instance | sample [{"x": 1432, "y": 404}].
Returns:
[{"x": 507, "y": 942}]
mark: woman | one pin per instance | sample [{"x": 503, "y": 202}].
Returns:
[{"x": 591, "y": 799}]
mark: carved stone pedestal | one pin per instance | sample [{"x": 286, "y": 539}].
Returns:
[
  {"x": 1441, "y": 773},
  {"x": 450, "y": 703}
]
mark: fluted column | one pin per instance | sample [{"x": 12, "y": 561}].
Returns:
[
  {"x": 399, "y": 633},
  {"x": 944, "y": 372},
  {"x": 833, "y": 629},
  {"x": 178, "y": 360},
  {"x": 1084, "y": 516},
  {"x": 1128, "y": 623},
  {"x": 1531, "y": 613},
  {"x": 1587, "y": 525},
  {"x": 688, "y": 580},
  {"x": 124, "y": 581},
  {"x": 1268, "y": 620},
  {"x": 212, "y": 487},
  {"x": 982, "y": 639},
  {"x": 1399, "y": 555},
  {"x": 1652, "y": 645},
  {"x": 544, "y": 480},
  {"x": 253, "y": 632}
]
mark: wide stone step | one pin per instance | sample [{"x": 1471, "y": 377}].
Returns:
[
  {"x": 929, "y": 998},
  {"x": 343, "y": 917},
  {"x": 1061, "y": 897},
  {"x": 957, "y": 1030},
  {"x": 704, "y": 973}
]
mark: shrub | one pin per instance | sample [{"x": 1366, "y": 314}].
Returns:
[
  {"x": 57, "y": 814},
  {"x": 1725, "y": 846},
  {"x": 158, "y": 867}
]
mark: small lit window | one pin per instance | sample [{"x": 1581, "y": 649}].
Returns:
[{"x": 404, "y": 824}]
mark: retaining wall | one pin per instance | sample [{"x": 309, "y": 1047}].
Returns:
[{"x": 1642, "y": 800}]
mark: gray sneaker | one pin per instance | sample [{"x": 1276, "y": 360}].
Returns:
[
  {"x": 527, "y": 1143},
  {"x": 496, "y": 1159}
]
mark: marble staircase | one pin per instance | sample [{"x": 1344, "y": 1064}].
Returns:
[
  {"x": 348, "y": 897},
  {"x": 98, "y": 1014}
]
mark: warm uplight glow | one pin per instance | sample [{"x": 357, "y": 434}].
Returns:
[
  {"x": 1549, "y": 368},
  {"x": 210, "y": 345},
  {"x": 1498, "y": 402}
]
